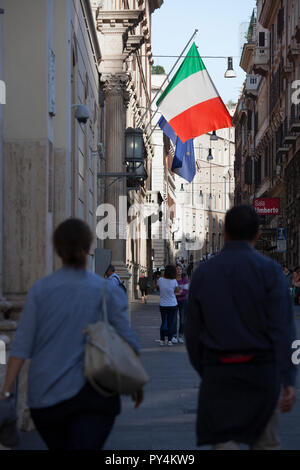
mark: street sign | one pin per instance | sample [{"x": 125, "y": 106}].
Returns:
[
  {"x": 281, "y": 240},
  {"x": 267, "y": 206}
]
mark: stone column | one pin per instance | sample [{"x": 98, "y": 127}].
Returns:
[{"x": 115, "y": 190}]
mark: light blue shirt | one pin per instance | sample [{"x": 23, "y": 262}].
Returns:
[
  {"x": 50, "y": 331},
  {"x": 114, "y": 279}
]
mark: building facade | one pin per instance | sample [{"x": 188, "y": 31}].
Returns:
[
  {"x": 268, "y": 126},
  {"x": 50, "y": 58},
  {"x": 48, "y": 167},
  {"x": 124, "y": 32},
  {"x": 163, "y": 188}
]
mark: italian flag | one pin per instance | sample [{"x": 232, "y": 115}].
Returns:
[{"x": 191, "y": 103}]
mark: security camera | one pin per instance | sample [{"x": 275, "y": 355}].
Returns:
[{"x": 82, "y": 113}]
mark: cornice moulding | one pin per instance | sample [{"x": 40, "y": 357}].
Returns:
[{"x": 110, "y": 19}]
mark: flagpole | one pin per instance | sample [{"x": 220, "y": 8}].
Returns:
[{"x": 166, "y": 79}]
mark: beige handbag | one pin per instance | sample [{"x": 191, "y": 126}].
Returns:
[{"x": 111, "y": 365}]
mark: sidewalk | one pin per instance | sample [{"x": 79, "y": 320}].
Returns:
[{"x": 166, "y": 419}]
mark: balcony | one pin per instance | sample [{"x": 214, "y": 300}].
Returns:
[
  {"x": 247, "y": 57},
  {"x": 293, "y": 52},
  {"x": 267, "y": 13},
  {"x": 261, "y": 60},
  {"x": 251, "y": 85}
]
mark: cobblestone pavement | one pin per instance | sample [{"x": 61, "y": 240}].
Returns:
[{"x": 166, "y": 420}]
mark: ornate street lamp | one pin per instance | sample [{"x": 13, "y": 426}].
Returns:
[{"x": 135, "y": 157}]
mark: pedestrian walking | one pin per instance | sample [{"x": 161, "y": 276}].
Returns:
[
  {"x": 157, "y": 275},
  {"x": 168, "y": 288},
  {"x": 183, "y": 265},
  {"x": 113, "y": 277},
  {"x": 190, "y": 270},
  {"x": 67, "y": 412},
  {"x": 143, "y": 286},
  {"x": 239, "y": 340},
  {"x": 183, "y": 283}
]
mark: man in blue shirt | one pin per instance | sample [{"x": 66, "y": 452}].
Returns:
[
  {"x": 112, "y": 277},
  {"x": 239, "y": 330}
]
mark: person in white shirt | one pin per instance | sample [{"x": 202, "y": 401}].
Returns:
[{"x": 168, "y": 288}]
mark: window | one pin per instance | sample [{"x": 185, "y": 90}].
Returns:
[
  {"x": 249, "y": 120},
  {"x": 208, "y": 198},
  {"x": 266, "y": 162},
  {"x": 248, "y": 171},
  {"x": 262, "y": 40},
  {"x": 280, "y": 22},
  {"x": 257, "y": 171},
  {"x": 201, "y": 198}
]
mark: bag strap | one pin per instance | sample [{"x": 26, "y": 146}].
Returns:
[{"x": 103, "y": 307}]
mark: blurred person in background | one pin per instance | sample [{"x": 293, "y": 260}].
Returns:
[
  {"x": 143, "y": 286},
  {"x": 168, "y": 288},
  {"x": 182, "y": 297}
]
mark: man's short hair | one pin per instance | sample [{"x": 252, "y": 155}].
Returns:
[{"x": 242, "y": 223}]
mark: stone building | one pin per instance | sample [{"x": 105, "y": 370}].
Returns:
[
  {"x": 57, "y": 55},
  {"x": 162, "y": 191},
  {"x": 50, "y": 172},
  {"x": 49, "y": 160},
  {"x": 267, "y": 122},
  {"x": 124, "y": 31}
]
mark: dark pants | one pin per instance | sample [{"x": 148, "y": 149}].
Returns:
[
  {"x": 168, "y": 315},
  {"x": 80, "y": 423},
  {"x": 182, "y": 304},
  {"x": 236, "y": 401}
]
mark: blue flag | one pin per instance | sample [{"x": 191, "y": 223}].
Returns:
[
  {"x": 167, "y": 129},
  {"x": 184, "y": 160}
]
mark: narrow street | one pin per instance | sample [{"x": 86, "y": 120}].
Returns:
[{"x": 166, "y": 420}]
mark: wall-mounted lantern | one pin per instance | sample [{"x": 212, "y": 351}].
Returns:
[{"x": 135, "y": 154}]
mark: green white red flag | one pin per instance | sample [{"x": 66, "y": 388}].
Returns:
[{"x": 191, "y": 104}]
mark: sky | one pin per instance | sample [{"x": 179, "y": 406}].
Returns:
[{"x": 219, "y": 23}]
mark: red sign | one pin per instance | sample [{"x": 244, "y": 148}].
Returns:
[{"x": 269, "y": 206}]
